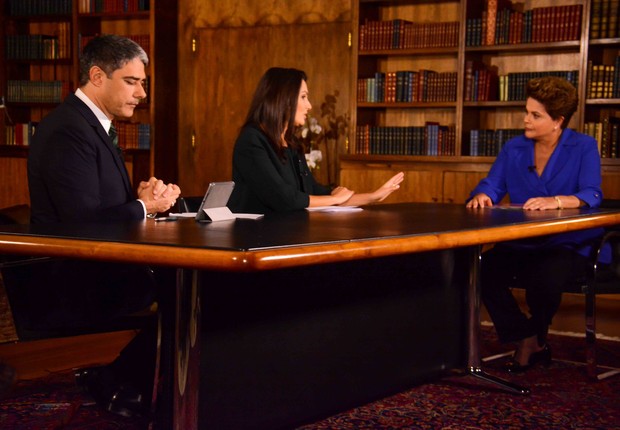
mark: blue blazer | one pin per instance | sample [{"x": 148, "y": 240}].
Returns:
[
  {"x": 74, "y": 171},
  {"x": 573, "y": 169}
]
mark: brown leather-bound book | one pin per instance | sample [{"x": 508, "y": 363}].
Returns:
[
  {"x": 575, "y": 26},
  {"x": 491, "y": 21},
  {"x": 604, "y": 18},
  {"x": 595, "y": 19},
  {"x": 614, "y": 11}
]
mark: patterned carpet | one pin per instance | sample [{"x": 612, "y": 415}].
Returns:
[{"x": 562, "y": 398}]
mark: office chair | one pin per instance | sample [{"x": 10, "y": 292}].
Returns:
[{"x": 601, "y": 279}]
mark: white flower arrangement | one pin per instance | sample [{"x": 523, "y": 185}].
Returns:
[
  {"x": 310, "y": 134},
  {"x": 326, "y": 130},
  {"x": 313, "y": 158},
  {"x": 312, "y": 127}
]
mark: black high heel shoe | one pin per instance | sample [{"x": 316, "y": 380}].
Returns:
[{"x": 543, "y": 356}]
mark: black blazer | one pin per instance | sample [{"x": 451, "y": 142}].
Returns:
[
  {"x": 263, "y": 182},
  {"x": 74, "y": 171}
]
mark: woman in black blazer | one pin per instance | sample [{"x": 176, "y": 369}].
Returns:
[{"x": 269, "y": 167}]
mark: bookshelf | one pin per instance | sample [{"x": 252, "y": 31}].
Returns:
[
  {"x": 490, "y": 64},
  {"x": 40, "y": 45}
]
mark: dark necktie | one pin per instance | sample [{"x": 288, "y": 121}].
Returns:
[{"x": 113, "y": 135}]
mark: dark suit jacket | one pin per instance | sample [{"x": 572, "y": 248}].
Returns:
[
  {"x": 74, "y": 171},
  {"x": 76, "y": 174}
]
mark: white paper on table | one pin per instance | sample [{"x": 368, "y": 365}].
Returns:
[
  {"x": 334, "y": 209},
  {"x": 236, "y": 215},
  {"x": 184, "y": 214}
]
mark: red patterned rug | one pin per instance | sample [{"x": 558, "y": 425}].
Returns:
[{"x": 561, "y": 398}]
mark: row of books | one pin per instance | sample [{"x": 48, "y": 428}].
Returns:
[
  {"x": 112, "y": 6},
  {"x": 19, "y": 133},
  {"x": 130, "y": 135},
  {"x": 408, "y": 86},
  {"x": 133, "y": 135},
  {"x": 430, "y": 139},
  {"x": 144, "y": 40},
  {"x": 40, "y": 46},
  {"x": 481, "y": 84},
  {"x": 509, "y": 26},
  {"x": 39, "y": 7},
  {"x": 606, "y": 131},
  {"x": 511, "y": 87},
  {"x": 435, "y": 139},
  {"x": 604, "y": 17},
  {"x": 22, "y": 91},
  {"x": 403, "y": 34},
  {"x": 603, "y": 80},
  {"x": 64, "y": 7},
  {"x": 487, "y": 143}
]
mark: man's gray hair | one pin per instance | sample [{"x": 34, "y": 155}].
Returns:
[{"x": 109, "y": 52}]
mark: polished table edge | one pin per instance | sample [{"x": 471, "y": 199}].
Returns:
[{"x": 290, "y": 256}]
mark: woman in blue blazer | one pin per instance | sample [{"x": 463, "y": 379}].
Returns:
[{"x": 549, "y": 167}]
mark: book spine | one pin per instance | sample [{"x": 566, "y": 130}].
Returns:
[
  {"x": 491, "y": 22},
  {"x": 595, "y": 19}
]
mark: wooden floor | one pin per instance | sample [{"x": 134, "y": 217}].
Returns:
[{"x": 34, "y": 359}]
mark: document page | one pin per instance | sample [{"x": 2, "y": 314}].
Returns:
[{"x": 334, "y": 209}]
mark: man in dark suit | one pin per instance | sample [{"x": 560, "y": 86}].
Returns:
[{"x": 76, "y": 173}]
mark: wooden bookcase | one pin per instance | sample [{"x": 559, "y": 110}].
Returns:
[
  {"x": 449, "y": 174},
  {"x": 70, "y": 23}
]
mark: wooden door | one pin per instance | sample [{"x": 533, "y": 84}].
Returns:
[{"x": 227, "y": 65}]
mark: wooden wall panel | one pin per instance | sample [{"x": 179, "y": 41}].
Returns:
[
  {"x": 611, "y": 184},
  {"x": 14, "y": 190},
  {"x": 227, "y": 66},
  {"x": 247, "y": 13}
]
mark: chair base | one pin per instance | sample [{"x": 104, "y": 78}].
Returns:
[{"x": 592, "y": 370}]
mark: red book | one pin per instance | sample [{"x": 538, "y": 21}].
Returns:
[
  {"x": 575, "y": 26},
  {"x": 491, "y": 21}
]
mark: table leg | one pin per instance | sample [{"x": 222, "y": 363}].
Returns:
[
  {"x": 186, "y": 364},
  {"x": 474, "y": 367}
]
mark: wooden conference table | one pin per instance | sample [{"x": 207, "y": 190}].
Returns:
[{"x": 293, "y": 317}]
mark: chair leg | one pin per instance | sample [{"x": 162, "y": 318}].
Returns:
[
  {"x": 590, "y": 310},
  {"x": 591, "y": 362}
]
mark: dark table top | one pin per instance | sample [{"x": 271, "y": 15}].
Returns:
[{"x": 298, "y": 237}]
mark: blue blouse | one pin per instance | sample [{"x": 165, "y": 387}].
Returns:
[{"x": 574, "y": 169}]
